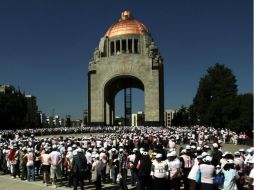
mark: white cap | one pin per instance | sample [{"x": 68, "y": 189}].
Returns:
[
  {"x": 225, "y": 153},
  {"x": 183, "y": 151},
  {"x": 204, "y": 154},
  {"x": 251, "y": 161},
  {"x": 241, "y": 150},
  {"x": 215, "y": 145},
  {"x": 171, "y": 154},
  {"x": 237, "y": 154},
  {"x": 120, "y": 150},
  {"x": 249, "y": 150},
  {"x": 199, "y": 148},
  {"x": 158, "y": 155},
  {"x": 208, "y": 159},
  {"x": 69, "y": 149},
  {"x": 193, "y": 146},
  {"x": 54, "y": 146},
  {"x": 188, "y": 147},
  {"x": 199, "y": 157}
]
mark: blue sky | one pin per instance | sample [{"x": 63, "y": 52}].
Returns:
[{"x": 45, "y": 46}]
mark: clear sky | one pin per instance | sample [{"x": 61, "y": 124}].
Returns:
[{"x": 45, "y": 46}]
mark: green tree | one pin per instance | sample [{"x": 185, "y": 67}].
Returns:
[
  {"x": 13, "y": 109},
  {"x": 181, "y": 117},
  {"x": 244, "y": 119},
  {"x": 218, "y": 84}
]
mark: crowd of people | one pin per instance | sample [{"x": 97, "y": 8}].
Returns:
[{"x": 153, "y": 158}]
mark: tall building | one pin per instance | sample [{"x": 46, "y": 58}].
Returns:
[
  {"x": 32, "y": 110},
  {"x": 138, "y": 119},
  {"x": 43, "y": 119},
  {"x": 50, "y": 121},
  {"x": 85, "y": 117},
  {"x": 168, "y": 116},
  {"x": 57, "y": 121}
]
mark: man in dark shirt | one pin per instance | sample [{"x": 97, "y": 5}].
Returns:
[{"x": 79, "y": 168}]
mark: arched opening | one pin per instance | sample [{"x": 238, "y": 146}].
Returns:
[
  {"x": 136, "y": 108},
  {"x": 113, "y": 94}
]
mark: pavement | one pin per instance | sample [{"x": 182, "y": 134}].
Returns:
[{"x": 8, "y": 183}]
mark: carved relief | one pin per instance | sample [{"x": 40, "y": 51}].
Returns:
[{"x": 96, "y": 55}]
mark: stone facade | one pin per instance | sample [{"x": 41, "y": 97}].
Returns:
[{"x": 125, "y": 61}]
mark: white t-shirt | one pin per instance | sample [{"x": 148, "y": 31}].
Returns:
[
  {"x": 207, "y": 173},
  {"x": 55, "y": 158},
  {"x": 132, "y": 157},
  {"x": 89, "y": 157},
  {"x": 173, "y": 166},
  {"x": 252, "y": 175},
  {"x": 159, "y": 169},
  {"x": 193, "y": 172}
]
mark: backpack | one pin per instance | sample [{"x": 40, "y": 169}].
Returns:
[
  {"x": 198, "y": 176},
  {"x": 219, "y": 179},
  {"x": 79, "y": 163}
]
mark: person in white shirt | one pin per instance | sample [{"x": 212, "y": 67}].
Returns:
[
  {"x": 30, "y": 164},
  {"x": 250, "y": 178},
  {"x": 55, "y": 168},
  {"x": 68, "y": 161},
  {"x": 193, "y": 173},
  {"x": 207, "y": 174},
  {"x": 97, "y": 167},
  {"x": 174, "y": 167},
  {"x": 187, "y": 164},
  {"x": 104, "y": 159},
  {"x": 131, "y": 159},
  {"x": 159, "y": 173},
  {"x": 230, "y": 176},
  {"x": 89, "y": 160}
]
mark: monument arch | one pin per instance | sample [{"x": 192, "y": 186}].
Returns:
[{"x": 127, "y": 57}]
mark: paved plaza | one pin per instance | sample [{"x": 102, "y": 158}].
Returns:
[{"x": 7, "y": 183}]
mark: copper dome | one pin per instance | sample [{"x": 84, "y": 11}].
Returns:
[{"x": 126, "y": 25}]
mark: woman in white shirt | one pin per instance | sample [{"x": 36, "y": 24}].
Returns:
[
  {"x": 30, "y": 164},
  {"x": 207, "y": 174},
  {"x": 230, "y": 176},
  {"x": 193, "y": 173}
]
